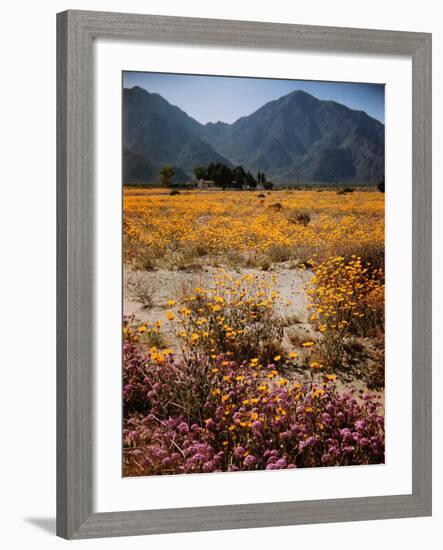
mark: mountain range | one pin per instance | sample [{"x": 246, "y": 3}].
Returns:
[{"x": 294, "y": 139}]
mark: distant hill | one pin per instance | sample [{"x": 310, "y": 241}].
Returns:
[
  {"x": 138, "y": 170},
  {"x": 163, "y": 134},
  {"x": 297, "y": 138}
]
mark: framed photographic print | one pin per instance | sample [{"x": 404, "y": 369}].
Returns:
[{"x": 244, "y": 280}]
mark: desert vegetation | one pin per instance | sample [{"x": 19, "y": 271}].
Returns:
[
  {"x": 253, "y": 331},
  {"x": 231, "y": 228}
]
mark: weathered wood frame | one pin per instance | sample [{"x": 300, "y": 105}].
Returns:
[{"x": 76, "y": 32}]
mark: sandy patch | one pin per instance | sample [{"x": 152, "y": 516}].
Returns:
[{"x": 166, "y": 285}]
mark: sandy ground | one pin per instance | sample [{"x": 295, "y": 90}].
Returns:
[{"x": 166, "y": 285}]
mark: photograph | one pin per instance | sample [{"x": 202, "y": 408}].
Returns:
[
  {"x": 253, "y": 315},
  {"x": 227, "y": 237}
]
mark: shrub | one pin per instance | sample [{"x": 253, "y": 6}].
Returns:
[
  {"x": 145, "y": 334},
  {"x": 345, "y": 191},
  {"x": 278, "y": 253},
  {"x": 301, "y": 218},
  {"x": 140, "y": 288},
  {"x": 219, "y": 415},
  {"x": 347, "y": 297},
  {"x": 236, "y": 317}
]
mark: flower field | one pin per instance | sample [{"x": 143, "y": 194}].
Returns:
[
  {"x": 249, "y": 228},
  {"x": 253, "y": 335}
]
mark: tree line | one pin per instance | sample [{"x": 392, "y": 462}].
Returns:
[{"x": 224, "y": 176}]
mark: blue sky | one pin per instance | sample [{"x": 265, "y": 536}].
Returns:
[{"x": 213, "y": 98}]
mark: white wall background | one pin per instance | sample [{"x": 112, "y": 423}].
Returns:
[{"x": 27, "y": 218}]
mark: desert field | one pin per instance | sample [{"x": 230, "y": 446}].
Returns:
[{"x": 253, "y": 329}]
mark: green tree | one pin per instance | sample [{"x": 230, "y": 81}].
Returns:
[
  {"x": 250, "y": 180},
  {"x": 239, "y": 177},
  {"x": 166, "y": 174},
  {"x": 200, "y": 172},
  {"x": 220, "y": 174}
]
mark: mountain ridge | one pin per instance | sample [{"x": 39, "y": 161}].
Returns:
[{"x": 294, "y": 138}]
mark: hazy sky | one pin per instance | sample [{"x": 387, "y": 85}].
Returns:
[{"x": 213, "y": 98}]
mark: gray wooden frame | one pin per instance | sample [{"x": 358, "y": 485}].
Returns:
[{"x": 76, "y": 32}]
